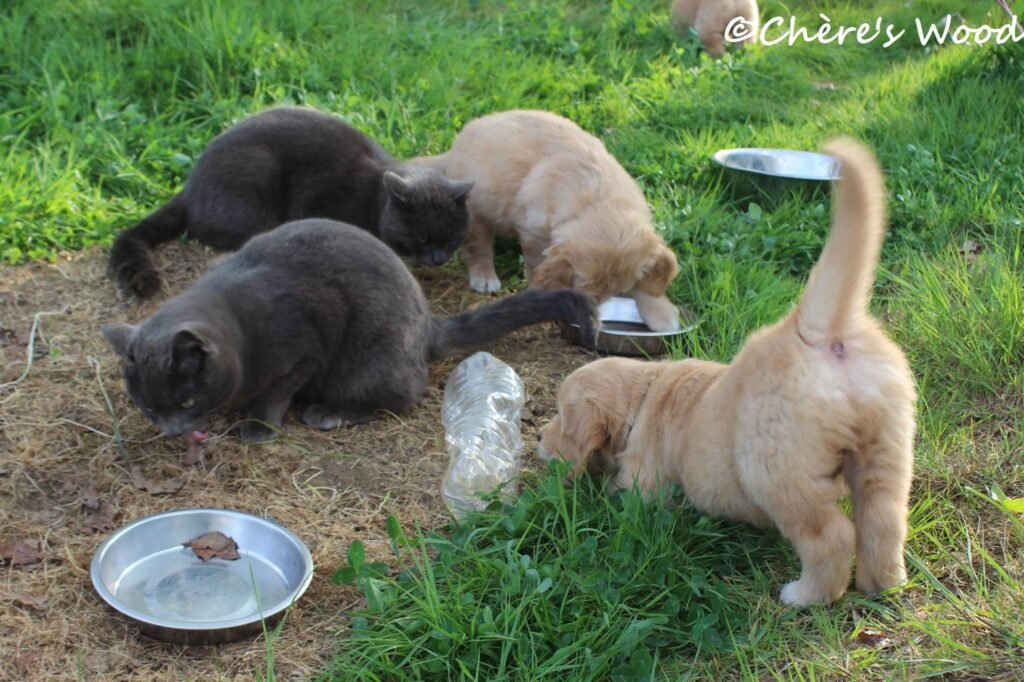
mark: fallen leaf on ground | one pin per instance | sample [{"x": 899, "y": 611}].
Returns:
[
  {"x": 28, "y": 601},
  {"x": 86, "y": 492},
  {"x": 20, "y": 553},
  {"x": 875, "y": 639},
  {"x": 214, "y": 545},
  {"x": 27, "y": 664},
  {"x": 102, "y": 519},
  {"x": 164, "y": 487}
]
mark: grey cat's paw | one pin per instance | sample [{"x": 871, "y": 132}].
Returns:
[
  {"x": 484, "y": 285},
  {"x": 322, "y": 417},
  {"x": 254, "y": 431},
  {"x": 325, "y": 417}
]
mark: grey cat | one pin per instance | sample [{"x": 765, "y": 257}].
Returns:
[
  {"x": 289, "y": 163},
  {"x": 316, "y": 312}
]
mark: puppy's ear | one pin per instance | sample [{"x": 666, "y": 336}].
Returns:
[
  {"x": 460, "y": 190},
  {"x": 118, "y": 335},
  {"x": 399, "y": 187},
  {"x": 555, "y": 272},
  {"x": 584, "y": 430},
  {"x": 659, "y": 271}
]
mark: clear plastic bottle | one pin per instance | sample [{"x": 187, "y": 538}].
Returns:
[{"x": 483, "y": 403}]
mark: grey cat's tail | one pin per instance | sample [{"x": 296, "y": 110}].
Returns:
[
  {"x": 130, "y": 259},
  {"x": 490, "y": 322}
]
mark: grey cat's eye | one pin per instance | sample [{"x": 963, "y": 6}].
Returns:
[{"x": 191, "y": 402}]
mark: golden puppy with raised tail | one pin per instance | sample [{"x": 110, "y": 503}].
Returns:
[{"x": 815, "y": 406}]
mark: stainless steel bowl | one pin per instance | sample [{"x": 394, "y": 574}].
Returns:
[
  {"x": 780, "y": 163},
  {"x": 143, "y": 571},
  {"x": 623, "y": 331}
]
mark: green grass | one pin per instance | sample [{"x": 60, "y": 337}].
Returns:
[
  {"x": 570, "y": 583},
  {"x": 560, "y": 582},
  {"x": 105, "y": 105}
]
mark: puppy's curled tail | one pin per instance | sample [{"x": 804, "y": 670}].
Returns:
[
  {"x": 839, "y": 288},
  {"x": 490, "y": 322},
  {"x": 438, "y": 162},
  {"x": 130, "y": 260}
]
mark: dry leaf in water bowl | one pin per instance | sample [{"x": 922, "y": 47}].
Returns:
[{"x": 214, "y": 545}]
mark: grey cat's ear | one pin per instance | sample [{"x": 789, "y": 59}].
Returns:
[
  {"x": 460, "y": 190},
  {"x": 187, "y": 348},
  {"x": 118, "y": 335},
  {"x": 191, "y": 340},
  {"x": 397, "y": 185}
]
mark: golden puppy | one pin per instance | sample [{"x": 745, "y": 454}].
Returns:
[
  {"x": 581, "y": 219},
  {"x": 816, "y": 405},
  {"x": 711, "y": 18}
]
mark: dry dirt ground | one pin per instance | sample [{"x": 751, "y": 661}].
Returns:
[{"x": 64, "y": 482}]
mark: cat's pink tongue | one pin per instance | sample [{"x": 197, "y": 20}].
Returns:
[{"x": 194, "y": 441}]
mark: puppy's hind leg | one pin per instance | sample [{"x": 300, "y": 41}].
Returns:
[
  {"x": 879, "y": 480},
  {"x": 804, "y": 509},
  {"x": 823, "y": 538}
]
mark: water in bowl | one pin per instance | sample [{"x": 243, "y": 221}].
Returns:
[{"x": 176, "y": 585}]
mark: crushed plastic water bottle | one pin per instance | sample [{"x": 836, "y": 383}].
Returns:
[{"x": 483, "y": 403}]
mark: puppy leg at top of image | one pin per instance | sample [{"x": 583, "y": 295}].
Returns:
[
  {"x": 711, "y": 19},
  {"x": 684, "y": 14}
]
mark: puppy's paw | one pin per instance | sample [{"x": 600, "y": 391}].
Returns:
[
  {"x": 802, "y": 593},
  {"x": 485, "y": 284},
  {"x": 659, "y": 314},
  {"x": 254, "y": 432}
]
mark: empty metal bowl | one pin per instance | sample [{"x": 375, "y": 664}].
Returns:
[
  {"x": 780, "y": 163},
  {"x": 144, "y": 571},
  {"x": 623, "y": 331}
]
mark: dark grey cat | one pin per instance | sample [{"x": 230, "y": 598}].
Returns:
[
  {"x": 290, "y": 163},
  {"x": 314, "y": 311}
]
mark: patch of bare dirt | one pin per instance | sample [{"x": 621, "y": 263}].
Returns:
[{"x": 64, "y": 480}]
